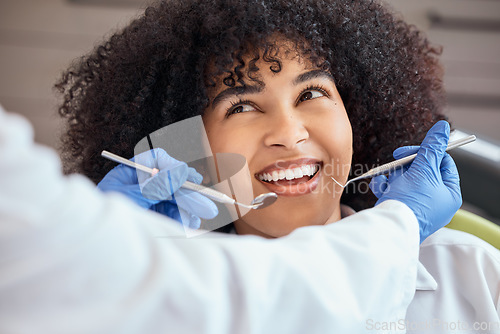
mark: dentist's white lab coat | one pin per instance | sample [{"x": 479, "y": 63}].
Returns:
[{"x": 74, "y": 260}]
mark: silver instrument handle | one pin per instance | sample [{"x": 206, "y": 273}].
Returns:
[{"x": 208, "y": 192}]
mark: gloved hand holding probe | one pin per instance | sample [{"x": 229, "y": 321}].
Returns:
[
  {"x": 430, "y": 186},
  {"x": 157, "y": 192}
]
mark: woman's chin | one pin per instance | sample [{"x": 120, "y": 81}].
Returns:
[{"x": 284, "y": 220}]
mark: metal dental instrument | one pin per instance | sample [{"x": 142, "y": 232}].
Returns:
[
  {"x": 259, "y": 202},
  {"x": 388, "y": 167}
]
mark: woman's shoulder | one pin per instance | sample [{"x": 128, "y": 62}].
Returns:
[
  {"x": 449, "y": 248},
  {"x": 465, "y": 271},
  {"x": 450, "y": 238},
  {"x": 459, "y": 279}
]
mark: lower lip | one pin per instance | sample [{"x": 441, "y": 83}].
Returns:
[{"x": 299, "y": 189}]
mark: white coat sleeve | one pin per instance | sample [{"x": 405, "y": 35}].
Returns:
[{"x": 74, "y": 260}]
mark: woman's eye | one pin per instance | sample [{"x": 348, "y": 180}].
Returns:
[
  {"x": 240, "y": 108},
  {"x": 311, "y": 94}
]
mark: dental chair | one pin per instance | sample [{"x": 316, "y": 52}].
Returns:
[{"x": 476, "y": 225}]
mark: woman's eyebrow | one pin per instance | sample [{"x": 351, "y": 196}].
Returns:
[
  {"x": 314, "y": 74},
  {"x": 236, "y": 91}
]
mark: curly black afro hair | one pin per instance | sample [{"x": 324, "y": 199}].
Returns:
[{"x": 158, "y": 69}]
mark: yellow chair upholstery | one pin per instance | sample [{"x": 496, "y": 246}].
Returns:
[{"x": 476, "y": 225}]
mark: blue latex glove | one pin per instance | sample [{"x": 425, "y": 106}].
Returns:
[
  {"x": 429, "y": 186},
  {"x": 161, "y": 193}
]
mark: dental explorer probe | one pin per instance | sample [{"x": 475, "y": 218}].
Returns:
[
  {"x": 388, "y": 167},
  {"x": 259, "y": 202}
]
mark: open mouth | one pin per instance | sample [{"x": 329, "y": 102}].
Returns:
[
  {"x": 293, "y": 179},
  {"x": 290, "y": 176}
]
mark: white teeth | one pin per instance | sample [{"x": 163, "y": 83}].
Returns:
[
  {"x": 289, "y": 174},
  {"x": 297, "y": 172},
  {"x": 306, "y": 170}
]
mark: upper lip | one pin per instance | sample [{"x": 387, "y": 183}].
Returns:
[{"x": 282, "y": 164}]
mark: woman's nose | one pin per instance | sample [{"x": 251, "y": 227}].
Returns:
[{"x": 286, "y": 129}]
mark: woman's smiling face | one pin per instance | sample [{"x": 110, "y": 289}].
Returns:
[{"x": 294, "y": 132}]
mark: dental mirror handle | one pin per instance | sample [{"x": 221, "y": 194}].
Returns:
[
  {"x": 208, "y": 192},
  {"x": 211, "y": 193}
]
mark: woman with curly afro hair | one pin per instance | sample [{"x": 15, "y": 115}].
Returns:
[
  {"x": 160, "y": 69},
  {"x": 307, "y": 84}
]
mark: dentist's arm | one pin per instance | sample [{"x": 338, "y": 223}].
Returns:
[{"x": 76, "y": 260}]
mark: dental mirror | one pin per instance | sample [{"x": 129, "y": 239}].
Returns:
[{"x": 263, "y": 200}]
